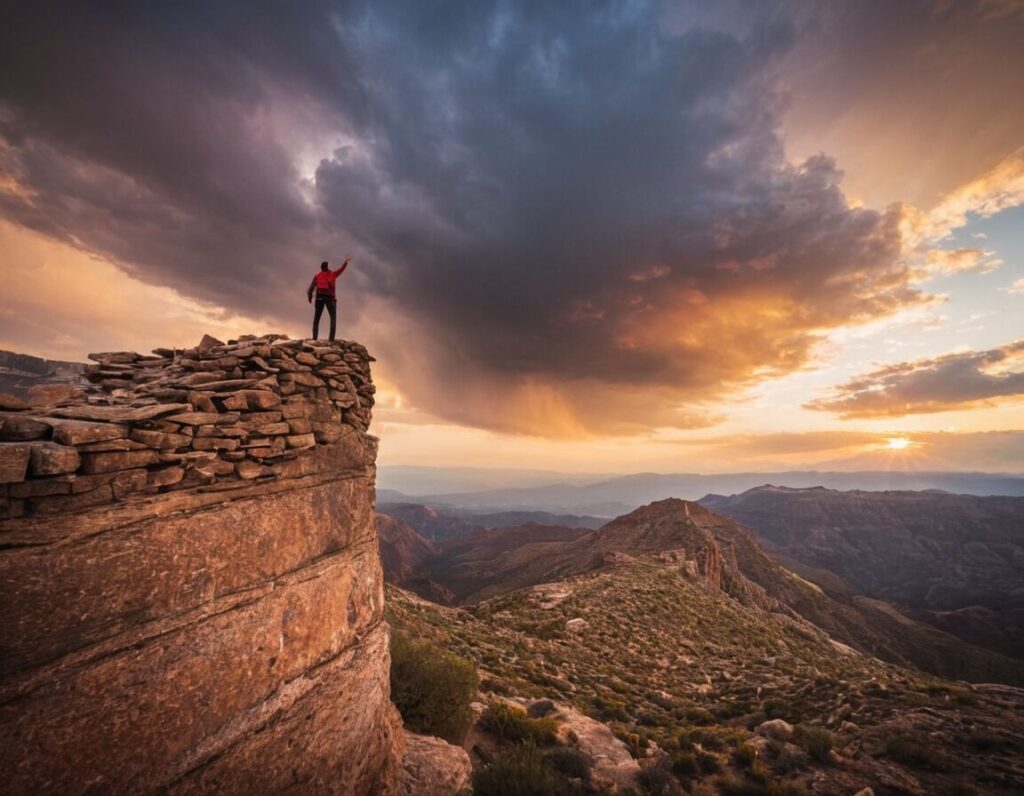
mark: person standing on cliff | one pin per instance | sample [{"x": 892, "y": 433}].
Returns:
[{"x": 323, "y": 285}]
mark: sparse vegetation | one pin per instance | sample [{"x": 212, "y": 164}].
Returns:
[
  {"x": 569, "y": 762},
  {"x": 432, "y": 688},
  {"x": 521, "y": 771},
  {"x": 911, "y": 751},
  {"x": 762, "y": 785},
  {"x": 666, "y": 662},
  {"x": 657, "y": 780},
  {"x": 816, "y": 741},
  {"x": 511, "y": 724}
]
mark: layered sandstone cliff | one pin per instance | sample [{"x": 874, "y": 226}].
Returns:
[{"x": 192, "y": 589}]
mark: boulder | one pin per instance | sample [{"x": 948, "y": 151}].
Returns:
[
  {"x": 433, "y": 767},
  {"x": 775, "y": 729}
]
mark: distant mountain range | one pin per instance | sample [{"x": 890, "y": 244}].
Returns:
[
  {"x": 615, "y": 496},
  {"x": 956, "y": 561},
  {"x": 441, "y": 523}
]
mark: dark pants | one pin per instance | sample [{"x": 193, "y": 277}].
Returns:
[{"x": 332, "y": 310}]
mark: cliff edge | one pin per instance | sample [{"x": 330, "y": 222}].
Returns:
[{"x": 189, "y": 568}]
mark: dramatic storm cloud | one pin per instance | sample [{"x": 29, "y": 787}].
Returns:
[
  {"x": 568, "y": 217},
  {"x": 938, "y": 384}
]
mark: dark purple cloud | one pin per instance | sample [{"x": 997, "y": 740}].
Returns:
[{"x": 568, "y": 216}]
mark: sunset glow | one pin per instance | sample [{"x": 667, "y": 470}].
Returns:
[{"x": 728, "y": 243}]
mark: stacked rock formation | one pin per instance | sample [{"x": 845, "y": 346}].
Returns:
[
  {"x": 211, "y": 415},
  {"x": 190, "y": 575}
]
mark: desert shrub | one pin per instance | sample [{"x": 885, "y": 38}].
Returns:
[
  {"x": 708, "y": 763},
  {"x": 733, "y": 785},
  {"x": 696, "y": 715},
  {"x": 775, "y": 709},
  {"x": 609, "y": 711},
  {"x": 519, "y": 772},
  {"x": 745, "y": 756},
  {"x": 708, "y": 739},
  {"x": 791, "y": 758},
  {"x": 569, "y": 762},
  {"x": 510, "y": 723},
  {"x": 911, "y": 751},
  {"x": 432, "y": 688},
  {"x": 817, "y": 742},
  {"x": 685, "y": 765},
  {"x": 659, "y": 699},
  {"x": 657, "y": 780}
]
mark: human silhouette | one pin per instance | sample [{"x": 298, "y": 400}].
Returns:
[{"x": 323, "y": 285}]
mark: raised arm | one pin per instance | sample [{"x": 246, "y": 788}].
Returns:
[{"x": 344, "y": 265}]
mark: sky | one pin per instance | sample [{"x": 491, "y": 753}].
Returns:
[{"x": 586, "y": 236}]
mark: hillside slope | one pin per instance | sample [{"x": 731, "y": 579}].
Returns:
[
  {"x": 722, "y": 553},
  {"x": 685, "y": 676}
]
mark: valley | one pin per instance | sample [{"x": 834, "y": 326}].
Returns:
[{"x": 673, "y": 629}]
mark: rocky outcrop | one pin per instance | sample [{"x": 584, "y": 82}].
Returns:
[{"x": 191, "y": 580}]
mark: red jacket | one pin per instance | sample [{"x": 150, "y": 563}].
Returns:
[{"x": 324, "y": 281}]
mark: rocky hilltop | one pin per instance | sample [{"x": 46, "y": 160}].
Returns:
[
  {"x": 716, "y": 549},
  {"x": 955, "y": 561},
  {"x": 189, "y": 568},
  {"x": 665, "y": 653}
]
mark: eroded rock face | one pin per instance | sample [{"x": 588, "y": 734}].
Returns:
[{"x": 197, "y": 626}]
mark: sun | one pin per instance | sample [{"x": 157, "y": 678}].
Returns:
[{"x": 897, "y": 443}]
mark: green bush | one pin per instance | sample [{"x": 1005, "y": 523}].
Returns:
[
  {"x": 816, "y": 741},
  {"x": 510, "y": 723},
  {"x": 708, "y": 763},
  {"x": 569, "y": 762},
  {"x": 911, "y": 751},
  {"x": 520, "y": 772},
  {"x": 732, "y": 785},
  {"x": 685, "y": 765},
  {"x": 657, "y": 780},
  {"x": 432, "y": 688},
  {"x": 775, "y": 708},
  {"x": 745, "y": 756}
]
